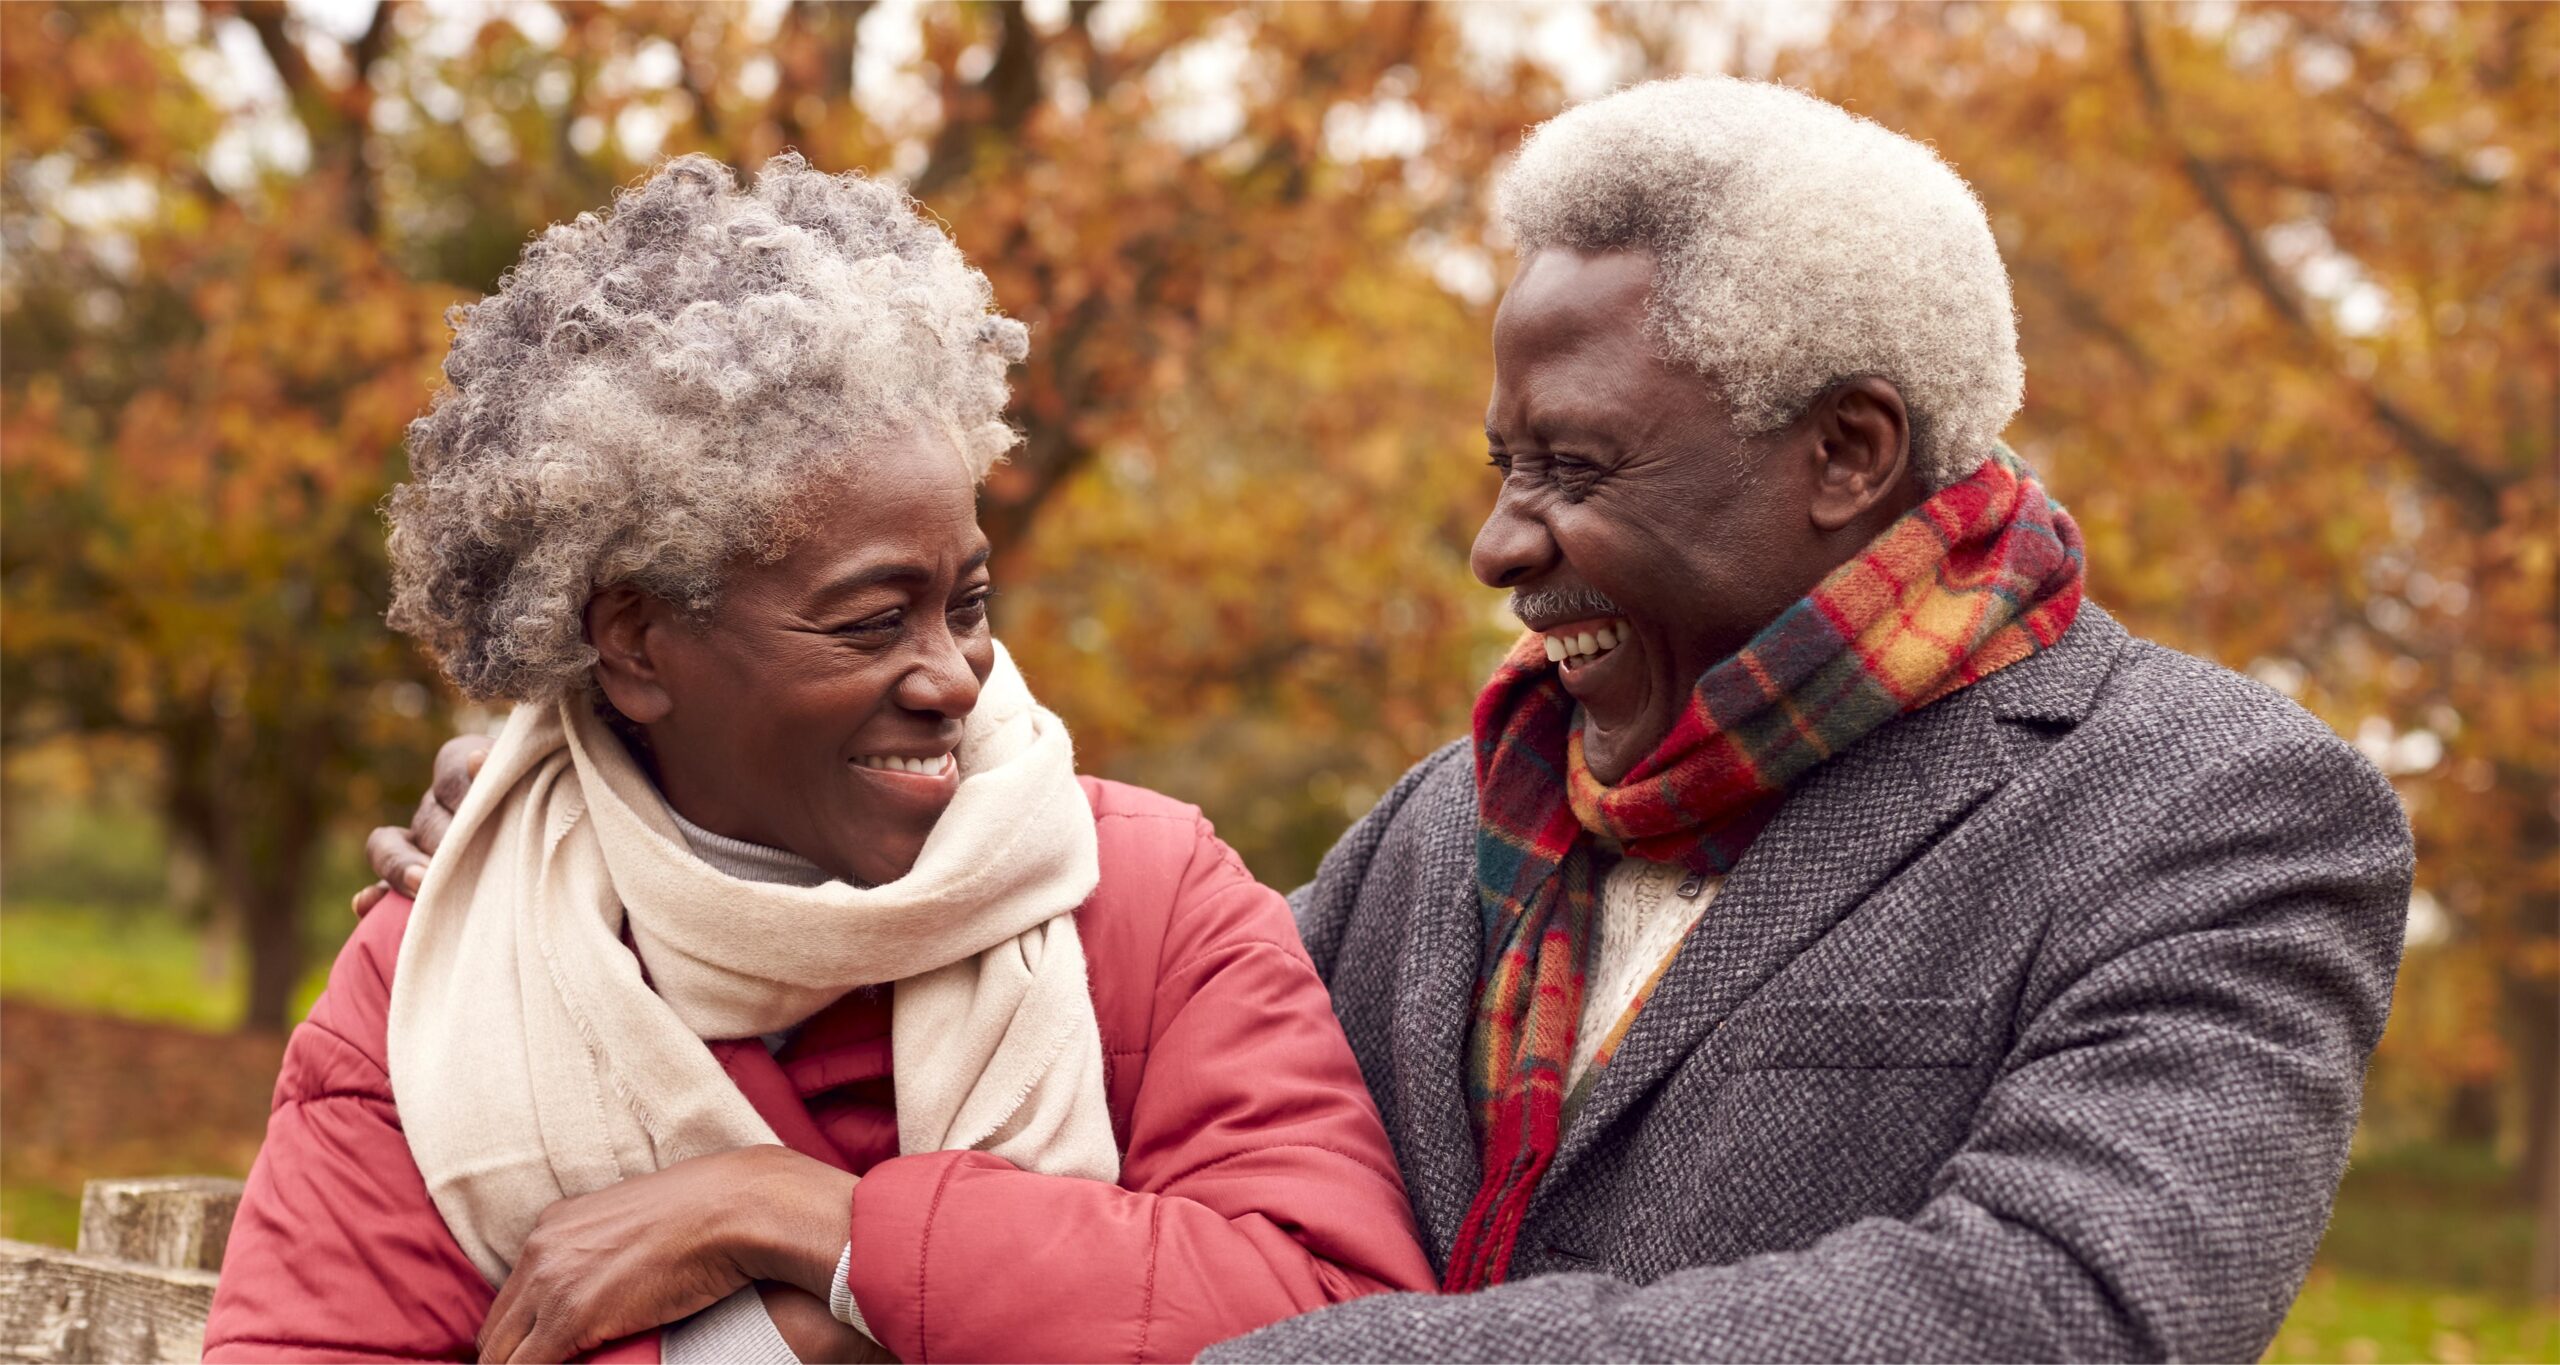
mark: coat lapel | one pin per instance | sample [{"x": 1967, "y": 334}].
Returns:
[
  {"x": 1852, "y": 825},
  {"x": 1436, "y": 982}
]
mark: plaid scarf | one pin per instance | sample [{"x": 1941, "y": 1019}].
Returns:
[{"x": 1984, "y": 573}]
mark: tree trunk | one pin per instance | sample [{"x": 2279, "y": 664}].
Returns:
[
  {"x": 2531, "y": 995},
  {"x": 271, "y": 923},
  {"x": 267, "y": 845},
  {"x": 244, "y": 791},
  {"x": 2535, "y": 1006},
  {"x": 2471, "y": 1117}
]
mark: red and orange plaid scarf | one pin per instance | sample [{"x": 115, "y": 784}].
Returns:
[{"x": 1983, "y": 574}]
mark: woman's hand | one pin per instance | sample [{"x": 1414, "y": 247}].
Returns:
[
  {"x": 399, "y": 856},
  {"x": 666, "y": 1245}
]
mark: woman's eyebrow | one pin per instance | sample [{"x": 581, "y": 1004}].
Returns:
[{"x": 878, "y": 575}]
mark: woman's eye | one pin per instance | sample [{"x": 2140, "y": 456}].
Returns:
[
  {"x": 1500, "y": 461},
  {"x": 877, "y": 627},
  {"x": 971, "y": 611}
]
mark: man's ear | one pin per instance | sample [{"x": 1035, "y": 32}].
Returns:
[
  {"x": 622, "y": 623},
  {"x": 1862, "y": 451}
]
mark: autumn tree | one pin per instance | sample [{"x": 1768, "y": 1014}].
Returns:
[
  {"x": 1238, "y": 532},
  {"x": 203, "y": 401}
]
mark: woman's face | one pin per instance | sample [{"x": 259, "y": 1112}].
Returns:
[{"x": 819, "y": 709}]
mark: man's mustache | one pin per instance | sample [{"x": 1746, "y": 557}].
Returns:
[{"x": 1572, "y": 604}]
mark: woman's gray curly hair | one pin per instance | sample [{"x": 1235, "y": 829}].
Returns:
[
  {"x": 1795, "y": 245},
  {"x": 649, "y": 393}
]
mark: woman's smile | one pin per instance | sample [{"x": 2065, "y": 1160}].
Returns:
[
  {"x": 935, "y": 766},
  {"x": 910, "y": 790}
]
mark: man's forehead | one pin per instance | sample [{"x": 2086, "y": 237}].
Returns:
[
  {"x": 1563, "y": 300},
  {"x": 1570, "y": 285},
  {"x": 1572, "y": 349}
]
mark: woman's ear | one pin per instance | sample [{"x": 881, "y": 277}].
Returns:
[
  {"x": 623, "y": 623},
  {"x": 1863, "y": 450}
]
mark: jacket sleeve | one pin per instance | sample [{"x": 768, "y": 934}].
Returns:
[
  {"x": 337, "y": 1251},
  {"x": 2146, "y": 1178},
  {"x": 1323, "y": 907},
  {"x": 1257, "y": 1183}
]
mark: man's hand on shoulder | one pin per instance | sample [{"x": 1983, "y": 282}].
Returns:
[{"x": 399, "y": 856}]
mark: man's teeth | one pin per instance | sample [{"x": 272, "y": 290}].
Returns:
[
  {"x": 893, "y": 763},
  {"x": 1582, "y": 646}
]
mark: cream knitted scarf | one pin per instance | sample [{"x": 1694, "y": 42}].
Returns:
[{"x": 530, "y": 1060}]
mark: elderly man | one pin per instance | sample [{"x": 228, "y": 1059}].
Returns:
[{"x": 1840, "y": 939}]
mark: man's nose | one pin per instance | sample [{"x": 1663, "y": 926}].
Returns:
[
  {"x": 942, "y": 682},
  {"x": 1512, "y": 549}
]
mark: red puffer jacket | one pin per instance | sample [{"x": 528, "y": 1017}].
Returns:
[{"x": 1256, "y": 1183}]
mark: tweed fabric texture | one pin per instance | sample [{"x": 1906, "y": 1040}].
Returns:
[
  {"x": 2033, "y": 1027},
  {"x": 1980, "y": 575}
]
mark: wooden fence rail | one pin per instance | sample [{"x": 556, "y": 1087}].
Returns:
[{"x": 138, "y": 1287}]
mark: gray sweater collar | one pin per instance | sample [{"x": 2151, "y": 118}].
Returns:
[{"x": 749, "y": 862}]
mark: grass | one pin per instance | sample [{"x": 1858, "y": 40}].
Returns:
[
  {"x": 2426, "y": 1259},
  {"x": 32, "y": 1211},
  {"x": 2395, "y": 1207},
  {"x": 126, "y": 963},
  {"x": 2353, "y": 1318}
]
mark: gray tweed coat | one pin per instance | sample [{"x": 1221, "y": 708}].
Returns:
[{"x": 2033, "y": 1028}]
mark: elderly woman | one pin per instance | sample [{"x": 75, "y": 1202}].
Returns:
[{"x": 780, "y": 979}]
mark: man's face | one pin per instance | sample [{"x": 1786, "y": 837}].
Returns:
[{"x": 1630, "y": 510}]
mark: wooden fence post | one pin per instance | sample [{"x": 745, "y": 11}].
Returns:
[
  {"x": 179, "y": 1222},
  {"x": 140, "y": 1284}
]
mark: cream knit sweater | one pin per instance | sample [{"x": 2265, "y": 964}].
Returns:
[{"x": 1643, "y": 916}]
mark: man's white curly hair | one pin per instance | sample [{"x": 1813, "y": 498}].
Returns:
[
  {"x": 650, "y": 393},
  {"x": 1795, "y": 245}
]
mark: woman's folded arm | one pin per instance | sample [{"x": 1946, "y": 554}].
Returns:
[
  {"x": 1257, "y": 1184},
  {"x": 337, "y": 1251}
]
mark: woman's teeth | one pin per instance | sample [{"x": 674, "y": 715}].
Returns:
[
  {"x": 1581, "y": 646},
  {"x": 893, "y": 763}
]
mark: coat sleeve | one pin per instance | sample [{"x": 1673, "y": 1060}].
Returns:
[
  {"x": 337, "y": 1251},
  {"x": 2146, "y": 1178},
  {"x": 1257, "y": 1183}
]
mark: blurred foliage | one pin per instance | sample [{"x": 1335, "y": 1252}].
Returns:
[{"x": 2285, "y": 275}]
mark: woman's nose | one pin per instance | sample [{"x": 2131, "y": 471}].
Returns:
[
  {"x": 942, "y": 682},
  {"x": 1512, "y": 548}
]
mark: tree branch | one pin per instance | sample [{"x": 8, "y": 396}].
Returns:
[
  {"x": 2085, "y": 312},
  {"x": 2444, "y": 463},
  {"x": 1049, "y": 455},
  {"x": 335, "y": 118},
  {"x": 998, "y": 104},
  {"x": 816, "y": 48}
]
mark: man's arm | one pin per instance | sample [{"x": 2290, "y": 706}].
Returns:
[
  {"x": 2147, "y": 1176},
  {"x": 399, "y": 856}
]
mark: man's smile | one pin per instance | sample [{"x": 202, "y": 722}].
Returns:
[{"x": 1585, "y": 640}]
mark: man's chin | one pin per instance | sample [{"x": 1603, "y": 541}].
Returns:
[{"x": 1611, "y": 752}]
